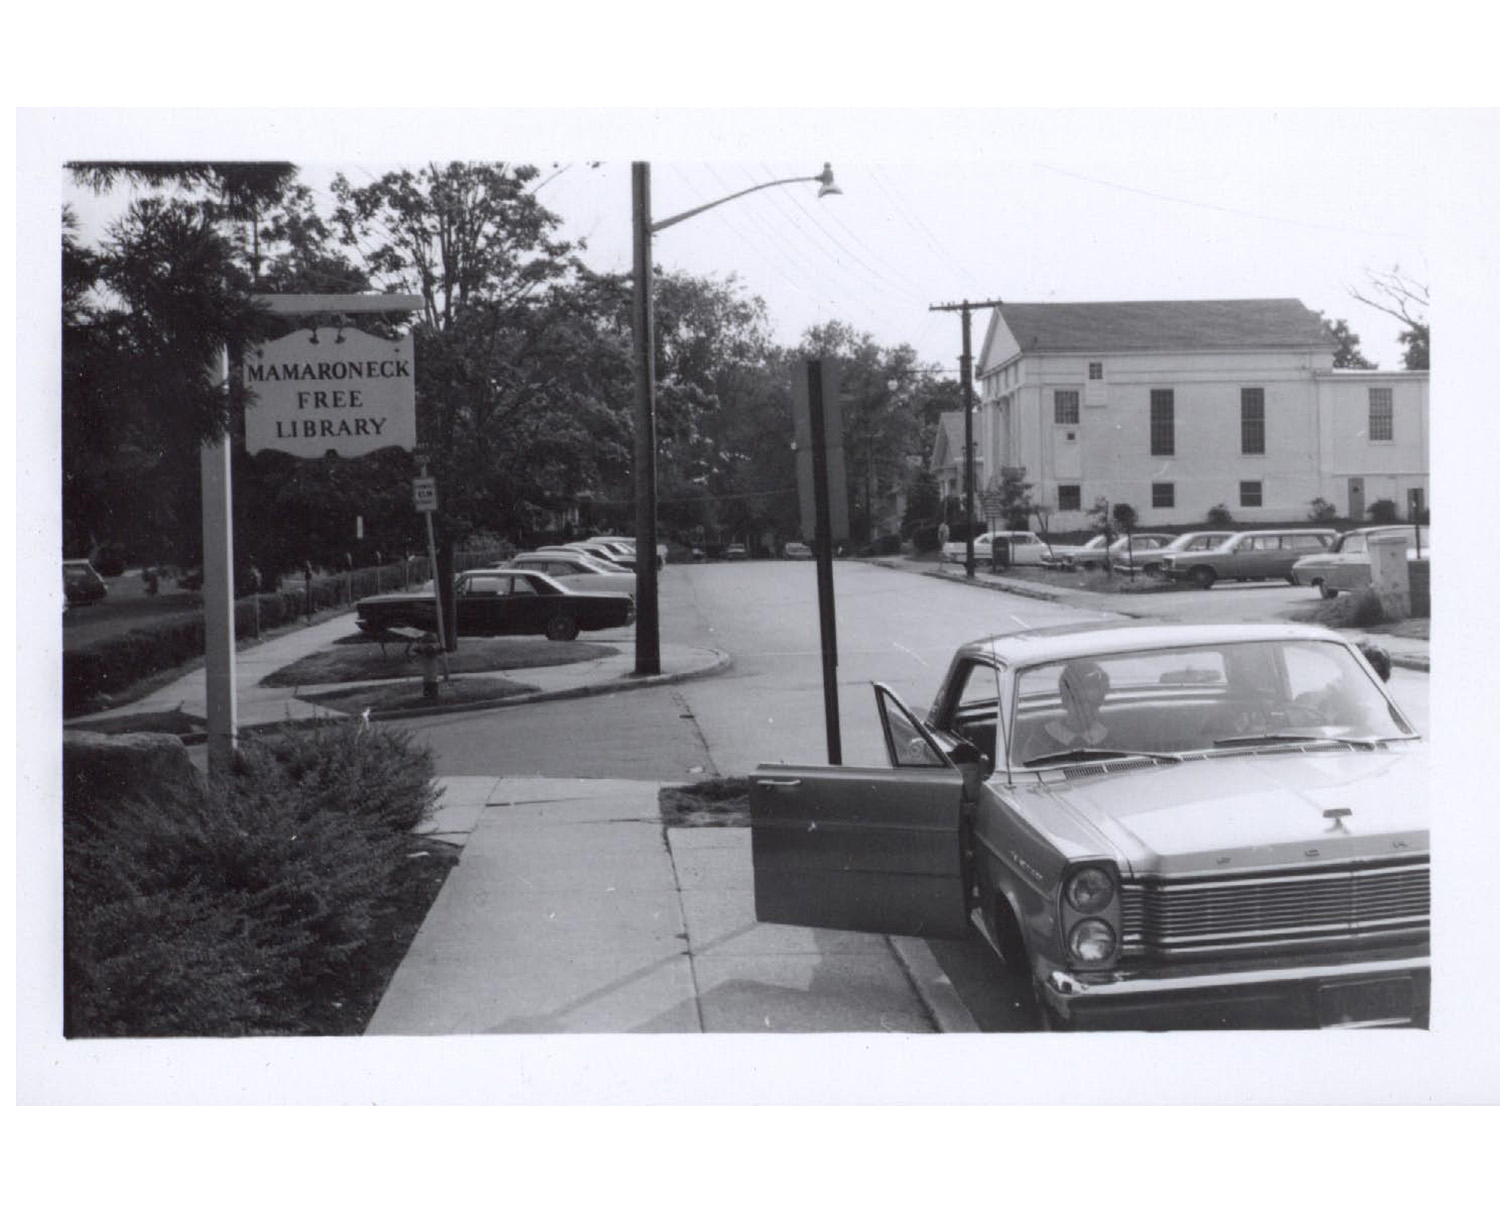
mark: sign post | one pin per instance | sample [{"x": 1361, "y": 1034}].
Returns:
[
  {"x": 820, "y": 460},
  {"x": 424, "y": 498}
]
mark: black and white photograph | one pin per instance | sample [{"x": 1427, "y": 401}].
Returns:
[{"x": 690, "y": 606}]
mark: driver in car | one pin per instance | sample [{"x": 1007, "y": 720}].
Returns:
[{"x": 1083, "y": 686}]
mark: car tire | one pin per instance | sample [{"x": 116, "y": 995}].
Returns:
[
  {"x": 1203, "y": 577},
  {"x": 1327, "y": 591},
  {"x": 562, "y": 628}
]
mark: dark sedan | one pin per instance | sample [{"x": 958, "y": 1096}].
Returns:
[{"x": 502, "y": 602}]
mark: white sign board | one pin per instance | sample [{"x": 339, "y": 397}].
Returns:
[
  {"x": 424, "y": 493},
  {"x": 833, "y": 444},
  {"x": 329, "y": 389}
]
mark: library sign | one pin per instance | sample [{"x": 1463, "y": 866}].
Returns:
[{"x": 328, "y": 390}]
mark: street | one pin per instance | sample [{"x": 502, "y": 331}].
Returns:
[{"x": 894, "y": 625}]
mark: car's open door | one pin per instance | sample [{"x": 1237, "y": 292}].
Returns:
[{"x": 863, "y": 848}]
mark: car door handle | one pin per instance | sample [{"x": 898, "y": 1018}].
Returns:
[{"x": 768, "y": 783}]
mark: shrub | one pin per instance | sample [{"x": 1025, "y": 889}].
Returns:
[
  {"x": 925, "y": 538},
  {"x": 235, "y": 912},
  {"x": 1320, "y": 510},
  {"x": 1219, "y": 516},
  {"x": 1383, "y": 510}
]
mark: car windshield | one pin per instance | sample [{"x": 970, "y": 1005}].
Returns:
[{"x": 1167, "y": 701}]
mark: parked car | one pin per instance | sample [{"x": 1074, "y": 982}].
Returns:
[
  {"x": 1189, "y": 541},
  {"x": 796, "y": 550},
  {"x": 1346, "y": 566},
  {"x": 578, "y": 570},
  {"x": 602, "y": 552},
  {"x": 735, "y": 552},
  {"x": 502, "y": 602},
  {"x": 1153, "y": 825},
  {"x": 1138, "y": 551},
  {"x": 1248, "y": 556},
  {"x": 82, "y": 584},
  {"x": 629, "y": 543},
  {"x": 1092, "y": 555},
  {"x": 1024, "y": 548}
]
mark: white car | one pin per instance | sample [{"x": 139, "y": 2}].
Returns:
[
  {"x": 1025, "y": 548},
  {"x": 1092, "y": 554},
  {"x": 576, "y": 569}
]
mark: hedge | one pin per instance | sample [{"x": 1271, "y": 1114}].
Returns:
[{"x": 240, "y": 909}]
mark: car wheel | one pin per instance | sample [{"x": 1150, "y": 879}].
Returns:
[
  {"x": 562, "y": 628},
  {"x": 1327, "y": 591},
  {"x": 1203, "y": 577}
]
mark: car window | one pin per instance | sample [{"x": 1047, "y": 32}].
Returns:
[
  {"x": 1353, "y": 544},
  {"x": 1308, "y": 543},
  {"x": 521, "y": 586},
  {"x": 1267, "y": 543},
  {"x": 485, "y": 584}
]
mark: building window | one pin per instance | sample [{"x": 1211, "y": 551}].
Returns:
[
  {"x": 1065, "y": 407},
  {"x": 1070, "y": 497},
  {"x": 1252, "y": 421},
  {"x": 1163, "y": 429},
  {"x": 1382, "y": 418},
  {"x": 1096, "y": 370},
  {"x": 1163, "y": 495},
  {"x": 1249, "y": 493}
]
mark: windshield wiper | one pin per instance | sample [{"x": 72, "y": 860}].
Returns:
[
  {"x": 1089, "y": 752},
  {"x": 1257, "y": 739}
]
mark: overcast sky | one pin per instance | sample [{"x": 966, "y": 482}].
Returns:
[{"x": 942, "y": 206}]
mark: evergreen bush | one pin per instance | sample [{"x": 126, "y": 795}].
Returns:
[{"x": 234, "y": 912}]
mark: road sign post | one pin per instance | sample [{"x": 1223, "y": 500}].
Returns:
[
  {"x": 820, "y": 459},
  {"x": 424, "y": 498}
]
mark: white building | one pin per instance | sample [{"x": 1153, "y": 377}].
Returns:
[{"x": 1175, "y": 408}]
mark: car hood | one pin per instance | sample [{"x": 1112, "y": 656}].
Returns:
[{"x": 1251, "y": 811}]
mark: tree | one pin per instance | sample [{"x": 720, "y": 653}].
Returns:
[
  {"x": 881, "y": 389},
  {"x": 1015, "y": 498},
  {"x": 1396, "y": 294},
  {"x": 145, "y": 317},
  {"x": 519, "y": 388},
  {"x": 924, "y": 502},
  {"x": 1348, "y": 355}
]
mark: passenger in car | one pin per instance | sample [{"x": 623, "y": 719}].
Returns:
[{"x": 1083, "y": 686}]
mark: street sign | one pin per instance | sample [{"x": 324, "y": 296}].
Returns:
[
  {"x": 993, "y": 504},
  {"x": 329, "y": 389},
  {"x": 424, "y": 493}
]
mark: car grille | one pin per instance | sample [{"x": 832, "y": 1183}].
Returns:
[{"x": 1167, "y": 917}]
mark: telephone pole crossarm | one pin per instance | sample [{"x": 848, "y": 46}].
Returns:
[{"x": 966, "y": 367}]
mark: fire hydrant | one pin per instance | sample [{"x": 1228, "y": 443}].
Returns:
[{"x": 428, "y": 650}]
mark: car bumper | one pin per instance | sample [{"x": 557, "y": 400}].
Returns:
[{"x": 1393, "y": 990}]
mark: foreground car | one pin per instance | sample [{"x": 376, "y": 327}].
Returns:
[
  {"x": 1156, "y": 826},
  {"x": 1346, "y": 566},
  {"x": 502, "y": 602}
]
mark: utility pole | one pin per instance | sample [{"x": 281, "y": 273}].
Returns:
[{"x": 966, "y": 369}]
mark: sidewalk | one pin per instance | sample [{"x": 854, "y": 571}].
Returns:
[
  {"x": 259, "y": 707},
  {"x": 1412, "y": 653},
  {"x": 573, "y": 911}
]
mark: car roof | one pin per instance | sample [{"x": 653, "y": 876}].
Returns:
[{"x": 1060, "y": 642}]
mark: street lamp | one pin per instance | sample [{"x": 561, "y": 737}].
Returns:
[{"x": 647, "y": 622}]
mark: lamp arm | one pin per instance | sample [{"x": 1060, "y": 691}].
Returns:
[{"x": 708, "y": 206}]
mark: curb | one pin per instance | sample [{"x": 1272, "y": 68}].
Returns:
[
  {"x": 933, "y": 987},
  {"x": 722, "y": 661}
]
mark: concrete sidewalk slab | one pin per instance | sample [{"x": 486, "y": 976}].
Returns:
[{"x": 572, "y": 909}]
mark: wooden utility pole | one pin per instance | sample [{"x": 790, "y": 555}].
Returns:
[{"x": 966, "y": 369}]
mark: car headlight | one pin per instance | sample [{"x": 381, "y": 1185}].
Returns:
[
  {"x": 1089, "y": 890},
  {"x": 1092, "y": 940}
]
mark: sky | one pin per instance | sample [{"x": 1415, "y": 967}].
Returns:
[{"x": 941, "y": 206}]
